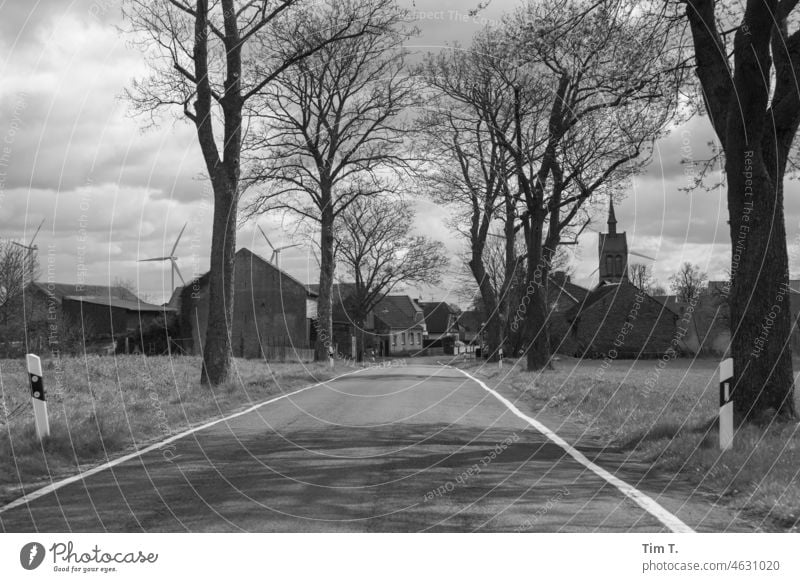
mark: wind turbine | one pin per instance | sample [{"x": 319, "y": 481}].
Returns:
[
  {"x": 31, "y": 248},
  {"x": 276, "y": 251},
  {"x": 172, "y": 259}
]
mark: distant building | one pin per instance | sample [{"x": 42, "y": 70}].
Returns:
[
  {"x": 40, "y": 318},
  {"x": 613, "y": 251},
  {"x": 399, "y": 325},
  {"x": 616, "y": 319},
  {"x": 270, "y": 312},
  {"x": 470, "y": 326},
  {"x": 105, "y": 319},
  {"x": 441, "y": 320},
  {"x": 619, "y": 320}
]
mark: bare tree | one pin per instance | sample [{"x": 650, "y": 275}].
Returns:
[
  {"x": 208, "y": 62},
  {"x": 610, "y": 89},
  {"x": 641, "y": 276},
  {"x": 688, "y": 283},
  {"x": 468, "y": 170},
  {"x": 376, "y": 248},
  {"x": 18, "y": 266},
  {"x": 747, "y": 58},
  {"x": 330, "y": 129}
]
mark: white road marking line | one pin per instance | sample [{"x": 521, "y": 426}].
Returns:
[
  {"x": 647, "y": 503},
  {"x": 80, "y": 476}
]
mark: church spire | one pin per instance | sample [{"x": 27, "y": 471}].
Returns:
[{"x": 612, "y": 219}]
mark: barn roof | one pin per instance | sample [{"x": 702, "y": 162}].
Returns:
[
  {"x": 119, "y": 303},
  {"x": 246, "y": 254},
  {"x": 61, "y": 290}
]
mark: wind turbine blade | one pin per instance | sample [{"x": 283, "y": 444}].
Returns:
[
  {"x": 177, "y": 240},
  {"x": 13, "y": 242},
  {"x": 156, "y": 259},
  {"x": 177, "y": 270},
  {"x": 288, "y": 247},
  {"x": 634, "y": 253},
  {"x": 33, "y": 238},
  {"x": 265, "y": 237}
]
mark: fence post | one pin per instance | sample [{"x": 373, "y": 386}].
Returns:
[
  {"x": 725, "y": 405},
  {"x": 38, "y": 396}
]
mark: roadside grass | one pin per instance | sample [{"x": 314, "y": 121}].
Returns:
[
  {"x": 672, "y": 426},
  {"x": 100, "y": 407}
]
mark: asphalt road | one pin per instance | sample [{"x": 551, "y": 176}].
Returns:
[{"x": 418, "y": 448}]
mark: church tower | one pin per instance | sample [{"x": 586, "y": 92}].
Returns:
[{"x": 613, "y": 251}]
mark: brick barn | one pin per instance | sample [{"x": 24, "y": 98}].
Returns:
[{"x": 270, "y": 312}]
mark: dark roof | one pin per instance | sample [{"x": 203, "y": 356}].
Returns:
[
  {"x": 247, "y": 254},
  {"x": 471, "y": 320},
  {"x": 437, "y": 317},
  {"x": 120, "y": 303},
  {"x": 672, "y": 303},
  {"x": 340, "y": 291},
  {"x": 61, "y": 290},
  {"x": 397, "y": 311},
  {"x": 573, "y": 291},
  {"x": 595, "y": 295}
]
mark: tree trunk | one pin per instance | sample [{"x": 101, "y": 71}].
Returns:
[
  {"x": 217, "y": 349},
  {"x": 760, "y": 297},
  {"x": 491, "y": 315},
  {"x": 324, "y": 302},
  {"x": 535, "y": 301}
]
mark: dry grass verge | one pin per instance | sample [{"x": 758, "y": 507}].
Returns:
[
  {"x": 671, "y": 426},
  {"x": 100, "y": 407}
]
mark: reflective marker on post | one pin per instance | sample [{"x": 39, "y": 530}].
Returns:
[
  {"x": 38, "y": 396},
  {"x": 500, "y": 361},
  {"x": 725, "y": 405}
]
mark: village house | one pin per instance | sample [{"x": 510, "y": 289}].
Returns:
[
  {"x": 470, "y": 324},
  {"x": 270, "y": 317},
  {"x": 399, "y": 325}
]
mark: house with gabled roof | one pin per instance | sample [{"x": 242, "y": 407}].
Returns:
[
  {"x": 399, "y": 325},
  {"x": 441, "y": 320}
]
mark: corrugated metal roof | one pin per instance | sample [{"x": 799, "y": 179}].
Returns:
[
  {"x": 119, "y": 303},
  {"x": 61, "y": 290}
]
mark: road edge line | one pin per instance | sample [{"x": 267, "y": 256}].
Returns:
[
  {"x": 669, "y": 520},
  {"x": 47, "y": 489}
]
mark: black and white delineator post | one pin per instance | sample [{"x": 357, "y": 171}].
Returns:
[
  {"x": 725, "y": 405},
  {"x": 500, "y": 359},
  {"x": 38, "y": 396}
]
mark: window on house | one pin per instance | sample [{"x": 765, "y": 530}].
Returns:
[
  {"x": 394, "y": 340},
  {"x": 402, "y": 339},
  {"x": 609, "y": 265},
  {"x": 618, "y": 269},
  {"x": 419, "y": 338}
]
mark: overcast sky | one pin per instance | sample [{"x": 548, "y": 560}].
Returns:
[{"x": 111, "y": 193}]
